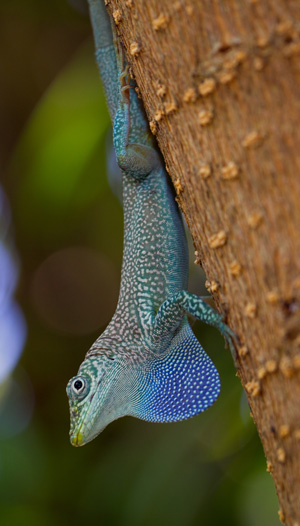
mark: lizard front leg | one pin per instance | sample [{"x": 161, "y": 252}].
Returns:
[{"x": 171, "y": 315}]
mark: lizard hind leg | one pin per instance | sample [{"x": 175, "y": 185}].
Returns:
[
  {"x": 135, "y": 157},
  {"x": 138, "y": 160},
  {"x": 180, "y": 384}
]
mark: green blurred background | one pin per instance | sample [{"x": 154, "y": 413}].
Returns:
[{"x": 207, "y": 471}]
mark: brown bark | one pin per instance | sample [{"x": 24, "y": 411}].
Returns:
[{"x": 220, "y": 82}]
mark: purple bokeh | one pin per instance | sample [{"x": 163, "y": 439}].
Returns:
[{"x": 12, "y": 322}]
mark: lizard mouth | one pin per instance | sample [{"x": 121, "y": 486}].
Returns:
[
  {"x": 76, "y": 433},
  {"x": 84, "y": 427},
  {"x": 76, "y": 439},
  {"x": 80, "y": 426},
  {"x": 81, "y": 435}
]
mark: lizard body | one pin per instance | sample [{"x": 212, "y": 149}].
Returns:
[{"x": 147, "y": 363}]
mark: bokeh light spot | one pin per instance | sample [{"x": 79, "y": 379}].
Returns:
[{"x": 75, "y": 290}]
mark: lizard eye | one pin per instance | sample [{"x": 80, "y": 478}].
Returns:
[{"x": 79, "y": 387}]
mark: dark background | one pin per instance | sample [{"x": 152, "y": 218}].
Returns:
[{"x": 206, "y": 471}]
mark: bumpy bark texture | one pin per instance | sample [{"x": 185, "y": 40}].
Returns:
[{"x": 221, "y": 85}]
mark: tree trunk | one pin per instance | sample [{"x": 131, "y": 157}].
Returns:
[{"x": 220, "y": 81}]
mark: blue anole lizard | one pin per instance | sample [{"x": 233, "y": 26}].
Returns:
[{"x": 147, "y": 363}]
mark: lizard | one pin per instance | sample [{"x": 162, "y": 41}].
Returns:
[{"x": 147, "y": 363}]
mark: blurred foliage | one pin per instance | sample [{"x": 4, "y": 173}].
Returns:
[{"x": 209, "y": 470}]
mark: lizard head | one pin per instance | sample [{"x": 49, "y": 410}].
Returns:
[
  {"x": 100, "y": 393},
  {"x": 167, "y": 387}
]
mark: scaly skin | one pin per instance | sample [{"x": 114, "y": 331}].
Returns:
[{"x": 147, "y": 363}]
